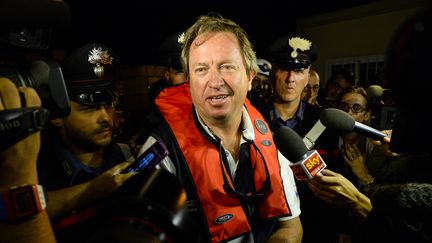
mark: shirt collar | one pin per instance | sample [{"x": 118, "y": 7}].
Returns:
[
  {"x": 246, "y": 126},
  {"x": 276, "y": 117},
  {"x": 73, "y": 166}
]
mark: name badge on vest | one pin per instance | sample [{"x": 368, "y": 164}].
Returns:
[{"x": 261, "y": 126}]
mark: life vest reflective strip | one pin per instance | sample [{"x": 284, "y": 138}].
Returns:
[{"x": 224, "y": 214}]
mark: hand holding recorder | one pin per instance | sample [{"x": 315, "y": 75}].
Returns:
[{"x": 148, "y": 159}]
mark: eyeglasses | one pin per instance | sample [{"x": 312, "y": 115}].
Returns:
[
  {"x": 355, "y": 108},
  {"x": 231, "y": 189},
  {"x": 314, "y": 88}
]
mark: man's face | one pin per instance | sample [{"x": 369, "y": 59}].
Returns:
[
  {"x": 218, "y": 79},
  {"x": 260, "y": 81},
  {"x": 335, "y": 87},
  {"x": 88, "y": 127},
  {"x": 310, "y": 92},
  {"x": 288, "y": 85},
  {"x": 175, "y": 76}
]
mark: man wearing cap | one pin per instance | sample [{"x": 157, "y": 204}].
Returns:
[
  {"x": 260, "y": 93},
  {"x": 79, "y": 163},
  {"x": 291, "y": 58},
  {"x": 170, "y": 53}
]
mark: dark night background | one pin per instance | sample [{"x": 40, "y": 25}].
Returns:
[{"x": 134, "y": 29}]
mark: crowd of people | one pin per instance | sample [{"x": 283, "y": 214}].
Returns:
[{"x": 214, "y": 114}]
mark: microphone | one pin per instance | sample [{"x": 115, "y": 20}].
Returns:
[
  {"x": 305, "y": 164},
  {"x": 339, "y": 120},
  {"x": 375, "y": 91}
]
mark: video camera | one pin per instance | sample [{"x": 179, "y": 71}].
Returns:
[
  {"x": 23, "y": 30},
  {"x": 149, "y": 207}
]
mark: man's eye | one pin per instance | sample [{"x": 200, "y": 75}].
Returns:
[
  {"x": 227, "y": 67},
  {"x": 200, "y": 70},
  {"x": 89, "y": 108},
  {"x": 299, "y": 70}
]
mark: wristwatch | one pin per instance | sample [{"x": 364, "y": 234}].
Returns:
[{"x": 21, "y": 202}]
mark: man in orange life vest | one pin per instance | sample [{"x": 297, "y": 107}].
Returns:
[{"x": 239, "y": 187}]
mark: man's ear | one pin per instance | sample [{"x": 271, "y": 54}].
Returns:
[
  {"x": 57, "y": 122},
  {"x": 251, "y": 78},
  {"x": 167, "y": 75}
]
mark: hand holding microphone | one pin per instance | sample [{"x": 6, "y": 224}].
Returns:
[
  {"x": 339, "y": 120},
  {"x": 335, "y": 189}
]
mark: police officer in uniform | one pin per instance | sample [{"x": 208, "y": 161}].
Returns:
[
  {"x": 79, "y": 163},
  {"x": 292, "y": 58}
]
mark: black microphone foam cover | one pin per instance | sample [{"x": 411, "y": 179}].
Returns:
[
  {"x": 290, "y": 144},
  {"x": 335, "y": 119}
]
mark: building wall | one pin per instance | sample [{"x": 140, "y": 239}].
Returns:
[
  {"x": 134, "y": 101},
  {"x": 135, "y": 85},
  {"x": 356, "y": 32}
]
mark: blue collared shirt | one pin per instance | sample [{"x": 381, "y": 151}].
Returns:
[
  {"x": 277, "y": 121},
  {"x": 59, "y": 167}
]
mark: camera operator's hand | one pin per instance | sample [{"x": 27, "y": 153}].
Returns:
[
  {"x": 18, "y": 167},
  {"x": 18, "y": 162}
]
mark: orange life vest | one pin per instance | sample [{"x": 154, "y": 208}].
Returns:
[{"x": 223, "y": 213}]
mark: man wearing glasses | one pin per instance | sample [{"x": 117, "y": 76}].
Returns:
[
  {"x": 310, "y": 92},
  {"x": 79, "y": 163}
]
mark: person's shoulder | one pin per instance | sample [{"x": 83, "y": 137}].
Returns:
[
  {"x": 313, "y": 108},
  {"x": 264, "y": 108},
  {"x": 157, "y": 87},
  {"x": 311, "y": 114}
]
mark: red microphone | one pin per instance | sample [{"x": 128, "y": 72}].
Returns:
[{"x": 305, "y": 164}]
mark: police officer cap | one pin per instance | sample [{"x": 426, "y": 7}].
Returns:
[
  {"x": 171, "y": 50},
  {"x": 89, "y": 73},
  {"x": 264, "y": 67},
  {"x": 293, "y": 52}
]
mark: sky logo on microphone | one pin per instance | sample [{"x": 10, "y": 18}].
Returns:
[
  {"x": 309, "y": 167},
  {"x": 314, "y": 164}
]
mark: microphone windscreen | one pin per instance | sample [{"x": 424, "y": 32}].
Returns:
[
  {"x": 335, "y": 119},
  {"x": 290, "y": 144},
  {"x": 374, "y": 91}
]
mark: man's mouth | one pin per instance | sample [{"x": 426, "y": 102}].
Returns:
[{"x": 219, "y": 97}]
